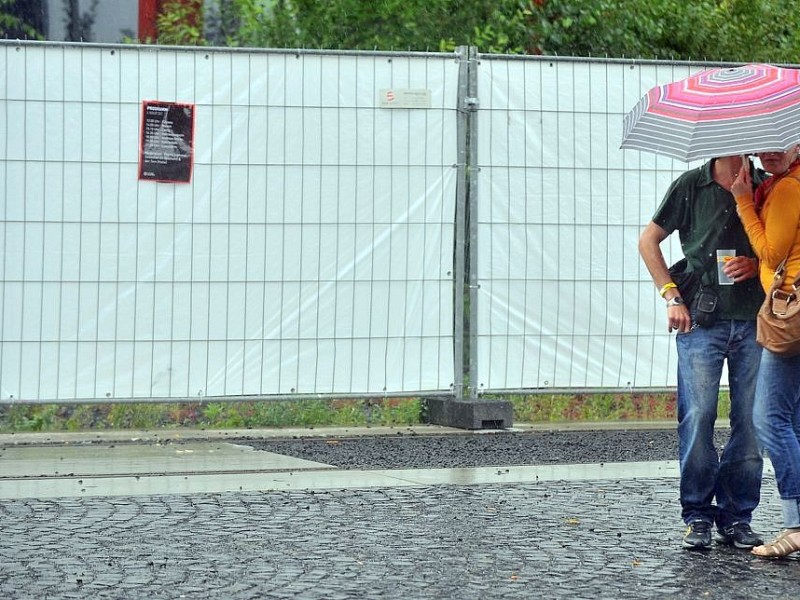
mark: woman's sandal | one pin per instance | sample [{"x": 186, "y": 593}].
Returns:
[{"x": 783, "y": 545}]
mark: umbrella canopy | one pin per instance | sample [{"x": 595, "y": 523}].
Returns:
[{"x": 718, "y": 112}]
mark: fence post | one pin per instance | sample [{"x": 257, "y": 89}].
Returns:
[{"x": 465, "y": 410}]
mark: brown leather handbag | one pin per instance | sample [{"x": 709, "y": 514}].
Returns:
[{"x": 778, "y": 319}]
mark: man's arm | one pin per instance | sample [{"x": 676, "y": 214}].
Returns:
[{"x": 678, "y": 317}]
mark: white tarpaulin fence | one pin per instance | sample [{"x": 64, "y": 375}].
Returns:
[
  {"x": 563, "y": 299},
  {"x": 314, "y": 250},
  {"x": 310, "y": 254}
]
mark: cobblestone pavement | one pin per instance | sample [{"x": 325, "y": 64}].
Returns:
[{"x": 578, "y": 540}]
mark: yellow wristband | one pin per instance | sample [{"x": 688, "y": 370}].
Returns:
[{"x": 667, "y": 286}]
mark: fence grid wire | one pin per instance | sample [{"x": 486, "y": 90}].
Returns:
[{"x": 329, "y": 243}]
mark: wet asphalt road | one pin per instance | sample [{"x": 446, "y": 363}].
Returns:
[
  {"x": 582, "y": 539},
  {"x": 404, "y": 451}
]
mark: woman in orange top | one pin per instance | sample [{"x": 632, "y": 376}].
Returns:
[{"x": 771, "y": 219}]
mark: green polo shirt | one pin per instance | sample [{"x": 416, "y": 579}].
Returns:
[{"x": 696, "y": 207}]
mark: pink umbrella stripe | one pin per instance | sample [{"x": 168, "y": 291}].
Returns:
[
  {"x": 750, "y": 88},
  {"x": 752, "y": 95},
  {"x": 669, "y": 107}
]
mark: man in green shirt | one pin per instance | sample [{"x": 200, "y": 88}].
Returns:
[{"x": 715, "y": 490}]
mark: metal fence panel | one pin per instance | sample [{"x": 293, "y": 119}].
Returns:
[
  {"x": 310, "y": 254},
  {"x": 563, "y": 299}
]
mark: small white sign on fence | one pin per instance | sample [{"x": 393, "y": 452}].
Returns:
[{"x": 405, "y": 98}]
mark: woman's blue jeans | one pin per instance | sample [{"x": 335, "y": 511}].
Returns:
[
  {"x": 776, "y": 415},
  {"x": 733, "y": 477}
]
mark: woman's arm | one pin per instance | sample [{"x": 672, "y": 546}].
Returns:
[{"x": 773, "y": 232}]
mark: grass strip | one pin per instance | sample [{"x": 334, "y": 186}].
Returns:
[{"x": 535, "y": 408}]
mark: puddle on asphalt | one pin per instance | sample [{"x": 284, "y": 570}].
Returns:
[{"x": 139, "y": 459}]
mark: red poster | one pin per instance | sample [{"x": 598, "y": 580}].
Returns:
[{"x": 166, "y": 143}]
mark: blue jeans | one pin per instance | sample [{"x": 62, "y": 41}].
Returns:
[
  {"x": 776, "y": 415},
  {"x": 734, "y": 477}
]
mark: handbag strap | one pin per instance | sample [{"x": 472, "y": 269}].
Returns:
[
  {"x": 780, "y": 275},
  {"x": 780, "y": 300}
]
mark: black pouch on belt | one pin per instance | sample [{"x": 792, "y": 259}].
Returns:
[{"x": 705, "y": 305}]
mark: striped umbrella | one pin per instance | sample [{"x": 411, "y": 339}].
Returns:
[{"x": 718, "y": 112}]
